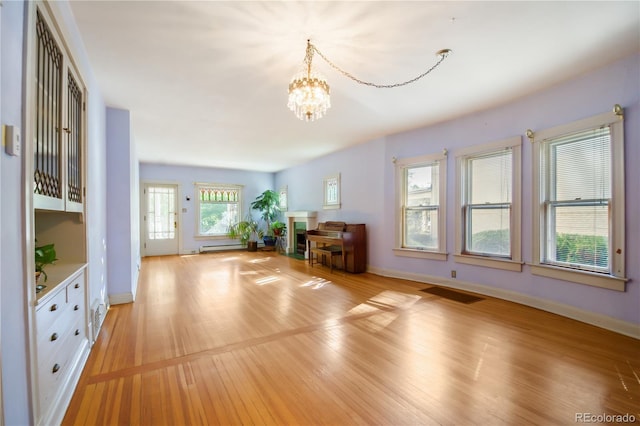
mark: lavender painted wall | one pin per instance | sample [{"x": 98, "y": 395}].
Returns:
[
  {"x": 15, "y": 389},
  {"x": 122, "y": 241},
  {"x": 371, "y": 200},
  {"x": 185, "y": 177},
  {"x": 361, "y": 178},
  {"x": 97, "y": 200}
]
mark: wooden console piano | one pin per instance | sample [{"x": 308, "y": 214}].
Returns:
[{"x": 347, "y": 240}]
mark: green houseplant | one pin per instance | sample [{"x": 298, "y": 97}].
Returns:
[
  {"x": 247, "y": 231},
  {"x": 44, "y": 255},
  {"x": 278, "y": 228},
  {"x": 267, "y": 204}
]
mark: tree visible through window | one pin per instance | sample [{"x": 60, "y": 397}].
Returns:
[{"x": 218, "y": 208}]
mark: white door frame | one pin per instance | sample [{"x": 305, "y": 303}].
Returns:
[{"x": 143, "y": 212}]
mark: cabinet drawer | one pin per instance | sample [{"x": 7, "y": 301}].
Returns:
[
  {"x": 75, "y": 291},
  {"x": 51, "y": 374},
  {"x": 50, "y": 312},
  {"x": 55, "y": 363}
]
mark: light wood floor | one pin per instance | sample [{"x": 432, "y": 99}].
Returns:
[{"x": 259, "y": 338}]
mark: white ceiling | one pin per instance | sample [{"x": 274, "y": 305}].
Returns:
[{"x": 206, "y": 81}]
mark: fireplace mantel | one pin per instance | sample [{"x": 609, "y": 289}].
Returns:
[{"x": 310, "y": 220}]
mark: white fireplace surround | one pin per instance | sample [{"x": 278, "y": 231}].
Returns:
[{"x": 310, "y": 220}]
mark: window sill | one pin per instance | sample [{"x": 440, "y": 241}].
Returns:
[
  {"x": 581, "y": 277},
  {"x": 488, "y": 262},
  {"x": 420, "y": 254}
]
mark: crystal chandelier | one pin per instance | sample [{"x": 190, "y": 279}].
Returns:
[{"x": 309, "y": 91}]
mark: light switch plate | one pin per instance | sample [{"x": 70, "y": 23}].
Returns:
[{"x": 13, "y": 140}]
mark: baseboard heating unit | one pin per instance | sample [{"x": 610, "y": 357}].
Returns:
[{"x": 225, "y": 247}]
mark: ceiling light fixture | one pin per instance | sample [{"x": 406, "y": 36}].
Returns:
[{"x": 309, "y": 91}]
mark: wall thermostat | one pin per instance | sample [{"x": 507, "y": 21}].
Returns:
[{"x": 13, "y": 141}]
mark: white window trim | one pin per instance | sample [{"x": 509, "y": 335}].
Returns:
[
  {"x": 196, "y": 196},
  {"x": 515, "y": 262},
  {"x": 328, "y": 205},
  {"x": 400, "y": 165},
  {"x": 616, "y": 279}
]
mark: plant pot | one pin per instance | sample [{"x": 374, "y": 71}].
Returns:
[
  {"x": 269, "y": 241},
  {"x": 252, "y": 246}
]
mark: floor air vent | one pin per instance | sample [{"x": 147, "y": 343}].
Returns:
[
  {"x": 98, "y": 312},
  {"x": 452, "y": 295}
]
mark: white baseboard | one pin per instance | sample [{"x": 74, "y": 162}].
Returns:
[
  {"x": 119, "y": 299},
  {"x": 599, "y": 320}
]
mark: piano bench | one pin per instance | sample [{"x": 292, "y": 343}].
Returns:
[{"x": 331, "y": 251}]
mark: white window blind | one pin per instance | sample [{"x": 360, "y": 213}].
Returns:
[
  {"x": 488, "y": 204},
  {"x": 577, "y": 168}
]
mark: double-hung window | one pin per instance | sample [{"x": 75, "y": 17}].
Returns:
[
  {"x": 488, "y": 201},
  {"x": 579, "y": 208},
  {"x": 218, "y": 207},
  {"x": 421, "y": 201}
]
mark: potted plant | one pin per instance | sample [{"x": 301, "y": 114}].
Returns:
[
  {"x": 268, "y": 205},
  {"x": 279, "y": 228},
  {"x": 247, "y": 231},
  {"x": 44, "y": 255}
]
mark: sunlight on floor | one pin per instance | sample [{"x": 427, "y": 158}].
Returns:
[
  {"x": 394, "y": 299},
  {"x": 383, "y": 302},
  {"x": 230, "y": 258},
  {"x": 264, "y": 259},
  {"x": 476, "y": 373},
  {"x": 378, "y": 322},
  {"x": 316, "y": 283},
  {"x": 267, "y": 280}
]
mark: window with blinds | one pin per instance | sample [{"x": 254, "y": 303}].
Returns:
[
  {"x": 218, "y": 208},
  {"x": 576, "y": 169},
  {"x": 487, "y": 203}
]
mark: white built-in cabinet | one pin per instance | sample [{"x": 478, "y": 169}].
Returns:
[
  {"x": 54, "y": 164},
  {"x": 61, "y": 335}
]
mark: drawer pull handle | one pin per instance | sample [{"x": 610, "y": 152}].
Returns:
[
  {"x": 76, "y": 286},
  {"x": 54, "y": 307},
  {"x": 54, "y": 337},
  {"x": 77, "y": 332},
  {"x": 75, "y": 308},
  {"x": 56, "y": 368}
]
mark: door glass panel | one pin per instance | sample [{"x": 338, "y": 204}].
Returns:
[{"x": 161, "y": 214}]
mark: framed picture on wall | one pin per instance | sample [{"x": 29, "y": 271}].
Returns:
[
  {"x": 283, "y": 202},
  {"x": 331, "y": 186}
]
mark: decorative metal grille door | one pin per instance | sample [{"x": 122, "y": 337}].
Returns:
[
  {"x": 47, "y": 178},
  {"x": 74, "y": 140}
]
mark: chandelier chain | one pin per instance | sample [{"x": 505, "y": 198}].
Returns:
[{"x": 443, "y": 54}]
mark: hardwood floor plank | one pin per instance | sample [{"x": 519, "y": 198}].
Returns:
[{"x": 241, "y": 338}]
